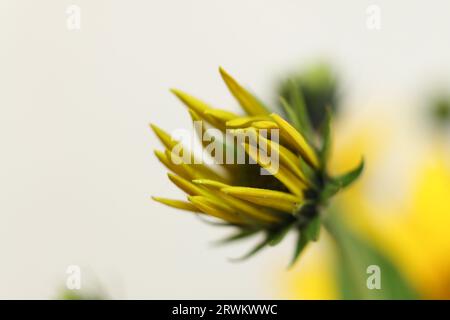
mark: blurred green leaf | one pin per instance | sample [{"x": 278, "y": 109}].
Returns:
[
  {"x": 83, "y": 294},
  {"x": 301, "y": 243},
  {"x": 298, "y": 102},
  {"x": 306, "y": 233},
  {"x": 310, "y": 92},
  {"x": 291, "y": 114},
  {"x": 271, "y": 238},
  {"x": 440, "y": 109},
  {"x": 312, "y": 230},
  {"x": 355, "y": 256},
  {"x": 240, "y": 234},
  {"x": 326, "y": 140}
]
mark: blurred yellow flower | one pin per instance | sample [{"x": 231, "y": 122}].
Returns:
[
  {"x": 414, "y": 234},
  {"x": 419, "y": 239}
]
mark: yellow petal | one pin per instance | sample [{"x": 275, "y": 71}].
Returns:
[
  {"x": 264, "y": 125},
  {"x": 287, "y": 207},
  {"x": 221, "y": 115},
  {"x": 262, "y": 193},
  {"x": 199, "y": 133},
  {"x": 251, "y": 211},
  {"x": 205, "y": 125},
  {"x": 180, "y": 170},
  {"x": 196, "y": 105},
  {"x": 211, "y": 209},
  {"x": 179, "y": 166},
  {"x": 192, "y": 170},
  {"x": 287, "y": 158},
  {"x": 297, "y": 140},
  {"x": 164, "y": 137},
  {"x": 216, "y": 202},
  {"x": 247, "y": 101},
  {"x": 191, "y": 102},
  {"x": 247, "y": 209},
  {"x": 194, "y": 115},
  {"x": 205, "y": 172},
  {"x": 268, "y": 198},
  {"x": 242, "y": 122},
  {"x": 210, "y": 183},
  {"x": 195, "y": 190},
  {"x": 229, "y": 147},
  {"x": 270, "y": 125},
  {"x": 178, "y": 204},
  {"x": 291, "y": 182},
  {"x": 187, "y": 186},
  {"x": 205, "y": 119}
]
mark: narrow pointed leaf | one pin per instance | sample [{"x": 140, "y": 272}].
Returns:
[
  {"x": 337, "y": 183},
  {"x": 300, "y": 246},
  {"x": 278, "y": 236},
  {"x": 311, "y": 231},
  {"x": 299, "y": 106},
  {"x": 203, "y": 218},
  {"x": 326, "y": 140},
  {"x": 348, "y": 178},
  {"x": 291, "y": 114},
  {"x": 255, "y": 250},
  {"x": 241, "y": 234}
]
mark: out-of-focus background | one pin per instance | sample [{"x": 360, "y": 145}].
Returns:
[{"x": 76, "y": 163}]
